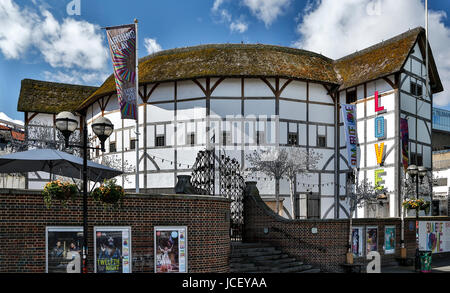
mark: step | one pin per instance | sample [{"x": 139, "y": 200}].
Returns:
[
  {"x": 277, "y": 261},
  {"x": 290, "y": 264},
  {"x": 242, "y": 265},
  {"x": 249, "y": 245},
  {"x": 270, "y": 257},
  {"x": 296, "y": 269},
  {"x": 252, "y": 249},
  {"x": 310, "y": 271},
  {"x": 255, "y": 253}
]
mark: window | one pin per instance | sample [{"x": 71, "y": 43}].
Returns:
[
  {"x": 321, "y": 141},
  {"x": 226, "y": 138},
  {"x": 160, "y": 140},
  {"x": 351, "y": 97},
  {"x": 292, "y": 138},
  {"x": 416, "y": 159},
  {"x": 191, "y": 139},
  {"x": 260, "y": 137},
  {"x": 416, "y": 89},
  {"x": 112, "y": 147},
  {"x": 313, "y": 206},
  {"x": 132, "y": 144},
  {"x": 97, "y": 151}
]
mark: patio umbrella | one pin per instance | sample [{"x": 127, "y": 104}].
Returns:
[{"x": 54, "y": 162}]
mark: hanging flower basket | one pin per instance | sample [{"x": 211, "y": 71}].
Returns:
[
  {"x": 417, "y": 204},
  {"x": 109, "y": 193},
  {"x": 57, "y": 190}
]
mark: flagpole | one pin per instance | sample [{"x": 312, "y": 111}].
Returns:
[
  {"x": 426, "y": 48},
  {"x": 137, "y": 107}
]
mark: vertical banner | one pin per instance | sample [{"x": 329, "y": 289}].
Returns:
[
  {"x": 122, "y": 45},
  {"x": 434, "y": 236},
  {"x": 349, "y": 117},
  {"x": 112, "y": 249},
  {"x": 405, "y": 141},
  {"x": 63, "y": 249},
  {"x": 170, "y": 249}
]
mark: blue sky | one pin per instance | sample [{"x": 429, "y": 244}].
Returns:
[{"x": 36, "y": 36}]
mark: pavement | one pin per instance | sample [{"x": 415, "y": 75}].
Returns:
[{"x": 438, "y": 265}]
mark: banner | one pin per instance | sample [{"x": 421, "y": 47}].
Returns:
[
  {"x": 434, "y": 236},
  {"x": 170, "y": 249},
  {"x": 405, "y": 141},
  {"x": 122, "y": 45},
  {"x": 112, "y": 250},
  {"x": 349, "y": 117},
  {"x": 63, "y": 249}
]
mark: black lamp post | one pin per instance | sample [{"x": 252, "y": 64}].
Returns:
[
  {"x": 66, "y": 122},
  {"x": 417, "y": 173}
]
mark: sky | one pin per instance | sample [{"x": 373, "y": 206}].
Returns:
[{"x": 63, "y": 40}]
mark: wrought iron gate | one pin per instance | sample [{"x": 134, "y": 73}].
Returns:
[{"x": 230, "y": 185}]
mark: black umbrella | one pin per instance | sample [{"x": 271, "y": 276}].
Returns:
[{"x": 55, "y": 162}]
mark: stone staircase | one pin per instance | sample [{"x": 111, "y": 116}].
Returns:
[{"x": 264, "y": 258}]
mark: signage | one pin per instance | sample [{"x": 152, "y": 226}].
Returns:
[
  {"x": 112, "y": 248},
  {"x": 170, "y": 249},
  {"x": 349, "y": 116},
  {"x": 63, "y": 249}
]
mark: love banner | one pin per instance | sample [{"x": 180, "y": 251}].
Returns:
[{"x": 122, "y": 45}]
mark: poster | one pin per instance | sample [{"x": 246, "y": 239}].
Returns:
[
  {"x": 351, "y": 134},
  {"x": 357, "y": 241},
  {"x": 170, "y": 249},
  {"x": 371, "y": 239},
  {"x": 122, "y": 45},
  {"x": 112, "y": 249},
  {"x": 434, "y": 236},
  {"x": 63, "y": 249},
  {"x": 389, "y": 239}
]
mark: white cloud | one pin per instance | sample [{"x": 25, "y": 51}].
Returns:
[
  {"x": 267, "y": 10},
  {"x": 338, "y": 28},
  {"x": 82, "y": 77},
  {"x": 5, "y": 117},
  {"x": 238, "y": 26},
  {"x": 216, "y": 5},
  {"x": 16, "y": 29},
  {"x": 67, "y": 44},
  {"x": 152, "y": 46}
]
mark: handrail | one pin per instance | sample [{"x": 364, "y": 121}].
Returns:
[{"x": 310, "y": 245}]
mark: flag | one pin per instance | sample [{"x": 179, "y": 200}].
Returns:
[
  {"x": 349, "y": 117},
  {"x": 404, "y": 133},
  {"x": 122, "y": 46}
]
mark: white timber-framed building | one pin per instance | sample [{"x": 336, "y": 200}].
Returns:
[{"x": 240, "y": 97}]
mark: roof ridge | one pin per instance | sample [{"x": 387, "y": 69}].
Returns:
[
  {"x": 413, "y": 31},
  {"x": 284, "y": 49},
  {"x": 29, "y": 80}
]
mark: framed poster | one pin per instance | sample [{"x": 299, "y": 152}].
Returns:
[
  {"x": 371, "y": 239},
  {"x": 62, "y": 253},
  {"x": 357, "y": 241},
  {"x": 170, "y": 249},
  {"x": 389, "y": 239},
  {"x": 112, "y": 246}
]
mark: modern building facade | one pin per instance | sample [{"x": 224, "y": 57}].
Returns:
[{"x": 238, "y": 98}]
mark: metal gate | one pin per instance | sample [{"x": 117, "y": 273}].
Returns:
[{"x": 211, "y": 171}]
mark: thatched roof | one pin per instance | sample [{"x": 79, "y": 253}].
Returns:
[
  {"x": 240, "y": 60},
  {"x": 51, "y": 97},
  {"x": 383, "y": 59}
]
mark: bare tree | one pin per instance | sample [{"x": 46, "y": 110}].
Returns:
[
  {"x": 283, "y": 163},
  {"x": 360, "y": 193}
]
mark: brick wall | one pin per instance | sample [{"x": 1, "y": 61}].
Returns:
[
  {"x": 327, "y": 248},
  {"x": 24, "y": 218}
]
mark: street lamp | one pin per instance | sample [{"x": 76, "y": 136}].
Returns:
[
  {"x": 416, "y": 174},
  {"x": 66, "y": 122}
]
